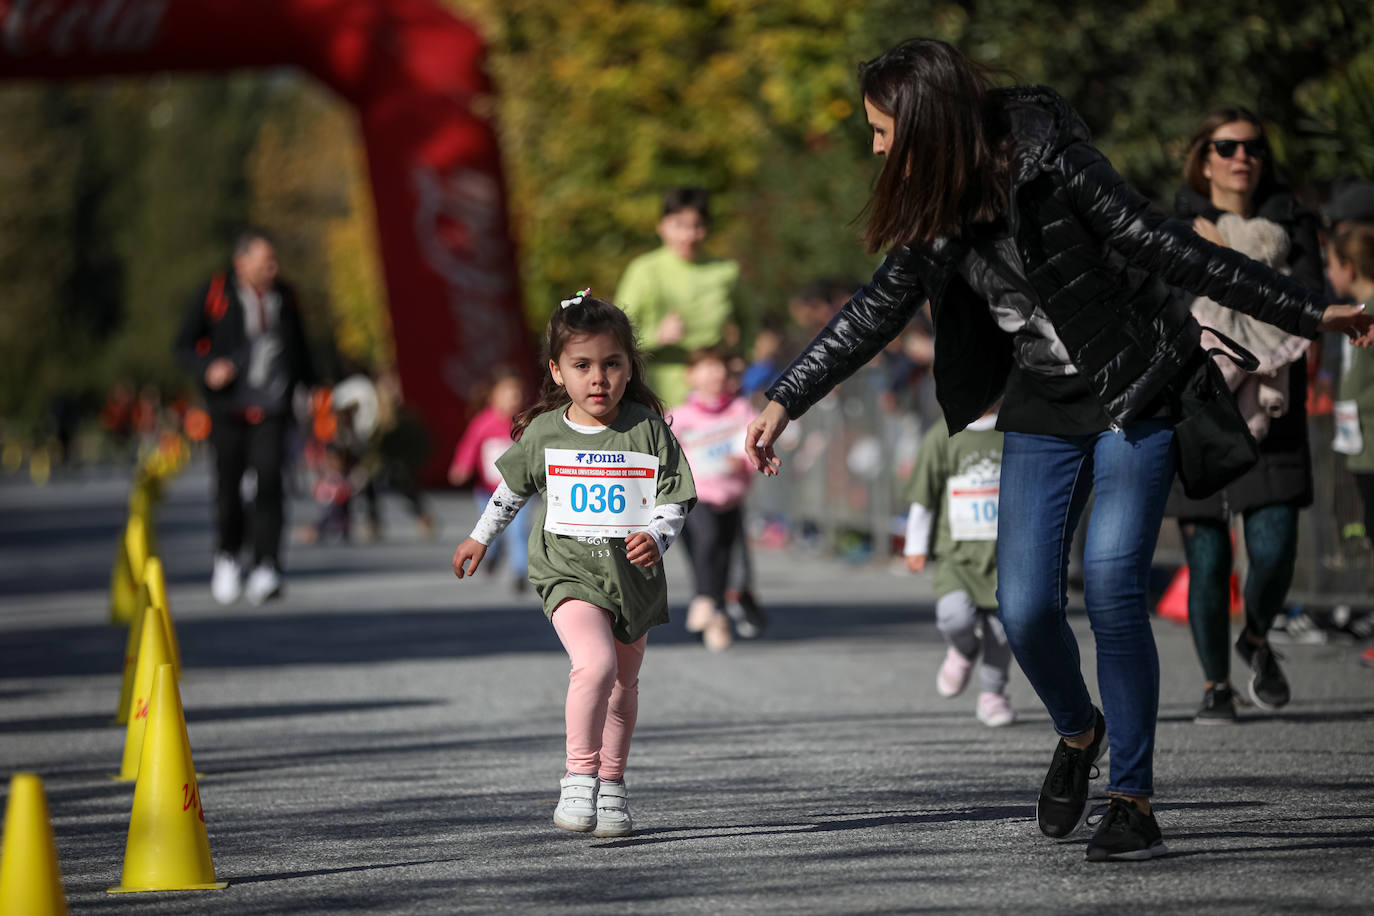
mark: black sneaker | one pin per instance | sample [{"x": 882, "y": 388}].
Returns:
[
  {"x": 1218, "y": 706},
  {"x": 1268, "y": 686},
  {"x": 1064, "y": 796},
  {"x": 1124, "y": 833}
]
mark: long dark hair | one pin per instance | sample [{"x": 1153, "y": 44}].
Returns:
[
  {"x": 946, "y": 166},
  {"x": 589, "y": 316},
  {"x": 1272, "y": 177}
]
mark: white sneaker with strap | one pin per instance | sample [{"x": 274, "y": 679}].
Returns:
[
  {"x": 613, "y": 810},
  {"x": 577, "y": 803}
]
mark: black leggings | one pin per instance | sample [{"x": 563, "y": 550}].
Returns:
[
  {"x": 238, "y": 446},
  {"x": 1271, "y": 539},
  {"x": 709, "y": 537}
]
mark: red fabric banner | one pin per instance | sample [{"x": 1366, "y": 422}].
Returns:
[{"x": 416, "y": 75}]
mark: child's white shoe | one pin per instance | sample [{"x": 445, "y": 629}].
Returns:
[
  {"x": 576, "y": 803},
  {"x": 613, "y": 810},
  {"x": 954, "y": 672},
  {"x": 994, "y": 709}
]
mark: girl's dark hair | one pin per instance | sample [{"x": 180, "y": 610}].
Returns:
[
  {"x": 1355, "y": 246},
  {"x": 590, "y": 316},
  {"x": 948, "y": 165},
  {"x": 1272, "y": 177},
  {"x": 678, "y": 199}
]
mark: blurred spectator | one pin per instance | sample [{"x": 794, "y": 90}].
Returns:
[
  {"x": 486, "y": 438},
  {"x": 710, "y": 425},
  {"x": 1353, "y": 203},
  {"x": 1350, "y": 268},
  {"x": 1235, "y": 195},
  {"x": 117, "y": 417},
  {"x": 678, "y": 297},
  {"x": 332, "y": 492},
  {"x": 242, "y": 337},
  {"x": 402, "y": 448},
  {"x": 766, "y": 362}
]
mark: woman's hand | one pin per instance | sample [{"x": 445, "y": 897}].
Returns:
[
  {"x": 468, "y": 550},
  {"x": 641, "y": 549},
  {"x": 760, "y": 436},
  {"x": 1350, "y": 320},
  {"x": 1208, "y": 230}
]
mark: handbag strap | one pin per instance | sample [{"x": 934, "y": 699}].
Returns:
[{"x": 1236, "y": 354}]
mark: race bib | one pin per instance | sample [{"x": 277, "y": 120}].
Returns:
[
  {"x": 1349, "y": 437},
  {"x": 973, "y": 504},
  {"x": 602, "y": 494},
  {"x": 713, "y": 451}
]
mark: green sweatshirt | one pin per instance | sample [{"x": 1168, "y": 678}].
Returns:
[
  {"x": 702, "y": 293},
  {"x": 957, "y": 479},
  {"x": 594, "y": 568}
]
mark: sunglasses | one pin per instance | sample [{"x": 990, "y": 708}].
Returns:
[{"x": 1255, "y": 149}]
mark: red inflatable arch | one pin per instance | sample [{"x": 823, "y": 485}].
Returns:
[{"x": 415, "y": 75}]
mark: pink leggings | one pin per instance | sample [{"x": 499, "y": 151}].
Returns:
[{"x": 603, "y": 689}]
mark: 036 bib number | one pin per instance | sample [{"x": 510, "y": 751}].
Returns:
[{"x": 604, "y": 494}]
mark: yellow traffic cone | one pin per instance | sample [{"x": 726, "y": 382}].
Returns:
[
  {"x": 123, "y": 592},
  {"x": 167, "y": 849},
  {"x": 156, "y": 584},
  {"x": 131, "y": 647},
  {"x": 152, "y": 653},
  {"x": 136, "y": 545},
  {"x": 30, "y": 881}
]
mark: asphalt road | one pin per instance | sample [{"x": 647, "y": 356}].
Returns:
[{"x": 388, "y": 740}]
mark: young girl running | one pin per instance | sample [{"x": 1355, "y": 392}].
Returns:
[{"x": 616, "y": 490}]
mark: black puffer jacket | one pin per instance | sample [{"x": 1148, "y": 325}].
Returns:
[
  {"x": 1284, "y": 471},
  {"x": 1097, "y": 256}
]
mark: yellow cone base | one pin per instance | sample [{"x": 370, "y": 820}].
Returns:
[{"x": 217, "y": 886}]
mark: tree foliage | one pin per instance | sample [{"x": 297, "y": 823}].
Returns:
[{"x": 119, "y": 196}]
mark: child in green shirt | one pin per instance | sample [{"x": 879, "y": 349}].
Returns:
[
  {"x": 953, "y": 492},
  {"x": 616, "y": 491},
  {"x": 680, "y": 298}
]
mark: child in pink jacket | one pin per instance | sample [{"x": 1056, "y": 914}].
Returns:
[{"x": 711, "y": 427}]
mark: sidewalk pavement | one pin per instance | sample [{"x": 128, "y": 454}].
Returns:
[{"x": 387, "y": 739}]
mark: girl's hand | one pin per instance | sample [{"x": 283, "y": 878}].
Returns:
[
  {"x": 760, "y": 436},
  {"x": 916, "y": 562},
  {"x": 640, "y": 549},
  {"x": 1350, "y": 320},
  {"x": 468, "y": 550}
]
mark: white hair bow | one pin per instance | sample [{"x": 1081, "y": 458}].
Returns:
[{"x": 575, "y": 299}]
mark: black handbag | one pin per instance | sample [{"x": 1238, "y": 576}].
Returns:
[{"x": 1214, "y": 442}]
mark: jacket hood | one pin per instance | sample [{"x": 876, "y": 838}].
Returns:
[{"x": 1043, "y": 123}]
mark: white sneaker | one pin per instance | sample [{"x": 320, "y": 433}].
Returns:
[
  {"x": 613, "y": 810},
  {"x": 994, "y": 709},
  {"x": 577, "y": 803},
  {"x": 264, "y": 584},
  {"x": 226, "y": 583},
  {"x": 954, "y": 672}
]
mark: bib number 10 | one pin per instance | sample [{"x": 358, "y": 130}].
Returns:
[{"x": 598, "y": 498}]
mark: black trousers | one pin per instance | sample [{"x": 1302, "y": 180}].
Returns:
[
  {"x": 239, "y": 445},
  {"x": 709, "y": 537}
]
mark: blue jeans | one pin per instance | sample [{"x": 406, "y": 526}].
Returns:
[
  {"x": 514, "y": 542},
  {"x": 1045, "y": 484}
]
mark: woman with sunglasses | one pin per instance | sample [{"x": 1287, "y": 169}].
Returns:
[
  {"x": 1235, "y": 195},
  {"x": 1047, "y": 277}
]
